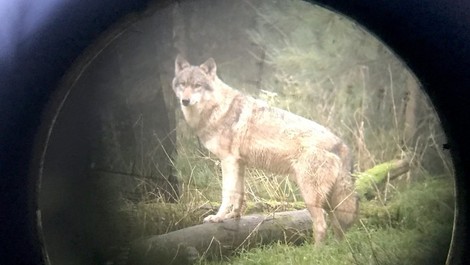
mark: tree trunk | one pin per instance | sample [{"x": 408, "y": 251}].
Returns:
[{"x": 411, "y": 123}]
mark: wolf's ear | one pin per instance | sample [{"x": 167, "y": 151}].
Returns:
[
  {"x": 180, "y": 64},
  {"x": 209, "y": 67}
]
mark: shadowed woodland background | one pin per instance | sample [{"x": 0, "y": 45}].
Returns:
[{"x": 119, "y": 141}]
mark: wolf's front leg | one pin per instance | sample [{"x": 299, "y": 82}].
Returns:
[{"x": 233, "y": 171}]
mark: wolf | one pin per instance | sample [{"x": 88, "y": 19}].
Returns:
[{"x": 246, "y": 132}]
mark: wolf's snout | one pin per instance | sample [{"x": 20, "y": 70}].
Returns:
[{"x": 185, "y": 102}]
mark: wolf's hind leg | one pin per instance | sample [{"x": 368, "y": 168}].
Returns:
[
  {"x": 233, "y": 172},
  {"x": 314, "y": 203},
  {"x": 315, "y": 178}
]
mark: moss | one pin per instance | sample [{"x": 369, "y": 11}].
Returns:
[{"x": 365, "y": 181}]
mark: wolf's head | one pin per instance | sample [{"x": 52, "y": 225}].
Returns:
[{"x": 191, "y": 83}]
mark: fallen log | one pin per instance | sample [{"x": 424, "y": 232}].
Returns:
[{"x": 214, "y": 240}]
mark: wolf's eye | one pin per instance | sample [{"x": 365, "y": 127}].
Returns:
[{"x": 198, "y": 86}]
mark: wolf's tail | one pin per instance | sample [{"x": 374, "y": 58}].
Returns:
[
  {"x": 344, "y": 207},
  {"x": 343, "y": 199}
]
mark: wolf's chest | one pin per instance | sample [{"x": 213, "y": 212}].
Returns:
[
  {"x": 213, "y": 145},
  {"x": 191, "y": 116}
]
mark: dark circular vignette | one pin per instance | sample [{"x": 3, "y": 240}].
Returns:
[
  {"x": 430, "y": 36},
  {"x": 40, "y": 41}
]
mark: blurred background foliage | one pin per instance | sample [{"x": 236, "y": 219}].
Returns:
[{"x": 325, "y": 67}]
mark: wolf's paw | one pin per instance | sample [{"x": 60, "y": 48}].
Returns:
[
  {"x": 232, "y": 215},
  {"x": 213, "y": 219},
  {"x": 220, "y": 218}
]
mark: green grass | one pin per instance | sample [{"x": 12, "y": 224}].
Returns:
[{"x": 384, "y": 246}]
